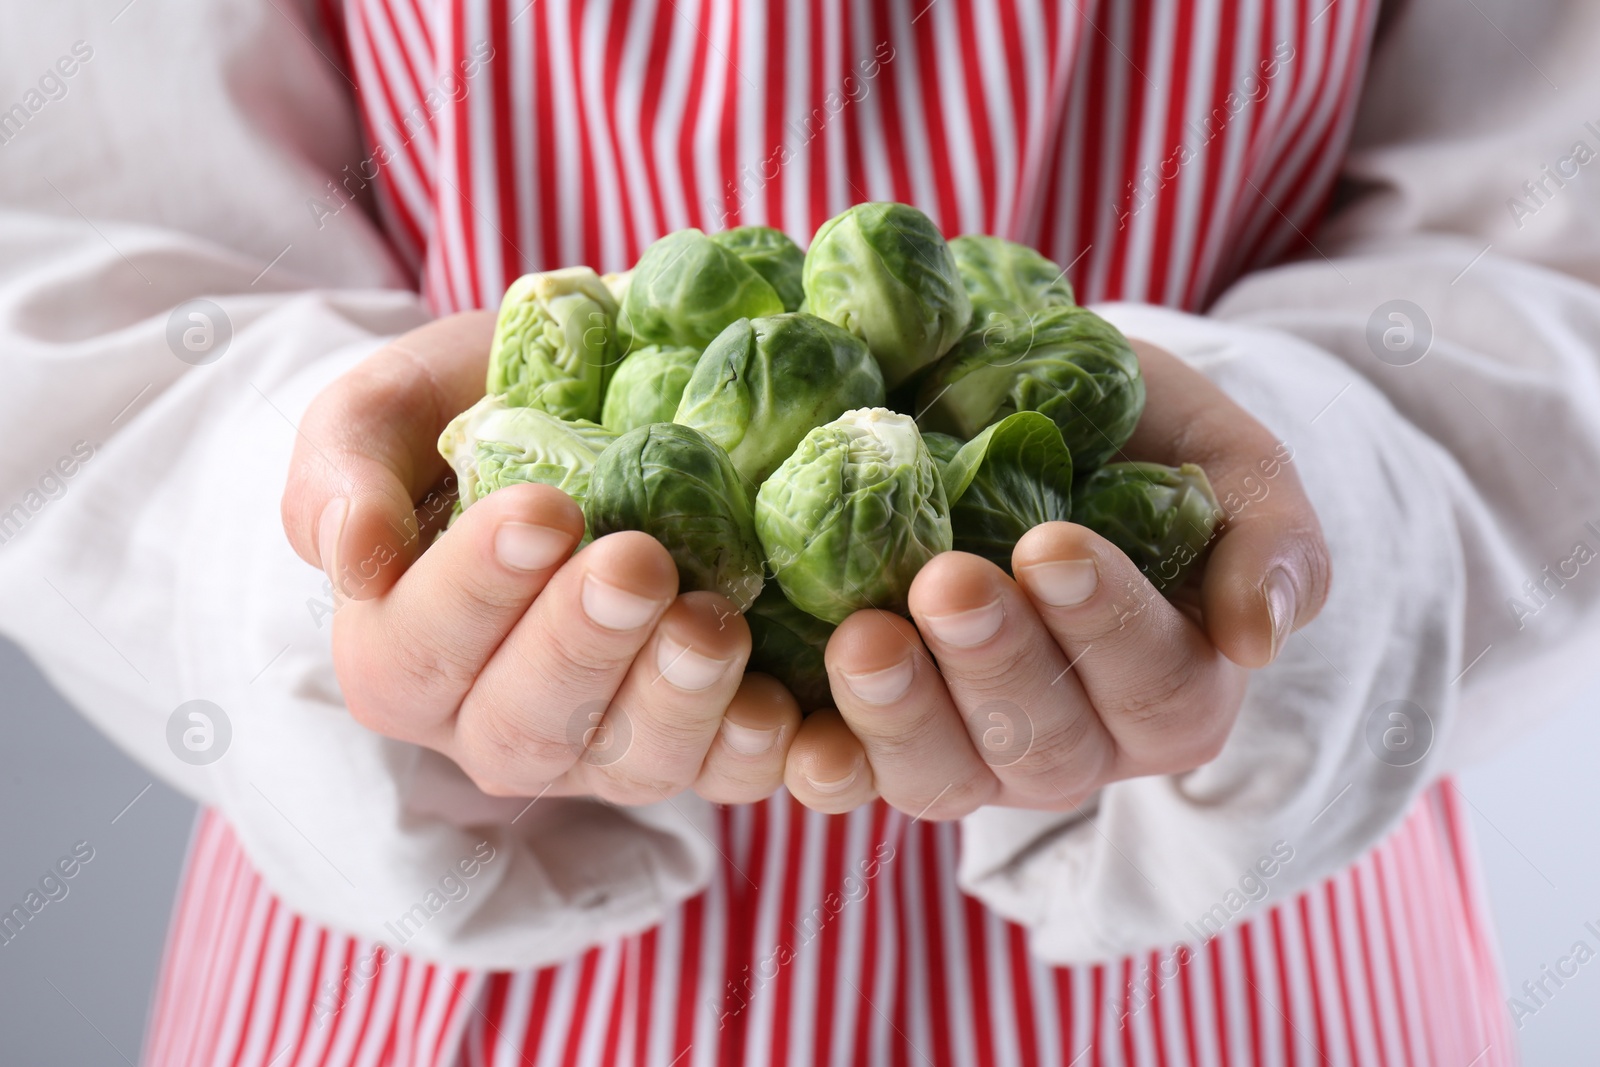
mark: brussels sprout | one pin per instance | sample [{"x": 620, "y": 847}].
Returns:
[
  {"x": 646, "y": 386},
  {"x": 853, "y": 514},
  {"x": 788, "y": 644},
  {"x": 1004, "y": 482},
  {"x": 885, "y": 273},
  {"x": 770, "y": 254},
  {"x": 553, "y": 343},
  {"x": 1007, "y": 282},
  {"x": 616, "y": 284},
  {"x": 1070, "y": 364},
  {"x": 687, "y": 288},
  {"x": 674, "y": 484},
  {"x": 1162, "y": 517},
  {"x": 493, "y": 444},
  {"x": 942, "y": 447},
  {"x": 621, "y": 340},
  {"x": 763, "y": 384}
]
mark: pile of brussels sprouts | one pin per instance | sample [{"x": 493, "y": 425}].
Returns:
[{"x": 803, "y": 431}]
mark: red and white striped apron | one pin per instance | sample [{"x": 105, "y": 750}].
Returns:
[{"x": 1159, "y": 147}]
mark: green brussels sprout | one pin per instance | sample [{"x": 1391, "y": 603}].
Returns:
[
  {"x": 1069, "y": 364},
  {"x": 646, "y": 386},
  {"x": 942, "y": 447},
  {"x": 677, "y": 486},
  {"x": 1161, "y": 517},
  {"x": 687, "y": 288},
  {"x": 553, "y": 343},
  {"x": 790, "y": 645},
  {"x": 1004, "y": 482},
  {"x": 763, "y": 384},
  {"x": 493, "y": 444},
  {"x": 853, "y": 514},
  {"x": 885, "y": 273},
  {"x": 1007, "y": 281},
  {"x": 771, "y": 254}
]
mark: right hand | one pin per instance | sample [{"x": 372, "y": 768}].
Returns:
[{"x": 533, "y": 671}]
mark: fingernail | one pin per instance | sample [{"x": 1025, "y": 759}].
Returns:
[
  {"x": 838, "y": 785},
  {"x": 616, "y": 609},
  {"x": 330, "y": 529},
  {"x": 686, "y": 668},
  {"x": 747, "y": 740},
  {"x": 881, "y": 687},
  {"x": 1280, "y": 606},
  {"x": 522, "y": 546},
  {"x": 965, "y": 629},
  {"x": 1063, "y": 583}
]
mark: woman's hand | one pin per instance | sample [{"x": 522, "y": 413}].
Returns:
[
  {"x": 533, "y": 671},
  {"x": 1037, "y": 692}
]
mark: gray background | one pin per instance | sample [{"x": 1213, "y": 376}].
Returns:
[{"x": 74, "y": 985}]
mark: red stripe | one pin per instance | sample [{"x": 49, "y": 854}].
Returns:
[
  {"x": 816, "y": 147},
  {"x": 533, "y": 1039},
  {"x": 1331, "y": 894},
  {"x": 876, "y": 920},
  {"x": 1219, "y": 1002},
  {"x": 1142, "y": 50},
  {"x": 499, "y": 71},
  {"x": 1022, "y": 992},
  {"x": 1285, "y": 991},
  {"x": 236, "y": 923},
  {"x": 645, "y": 996},
  {"x": 1061, "y": 981},
  {"x": 618, "y": 1006},
  {"x": 589, "y": 205},
  {"x": 890, "y": 114},
  {"x": 281, "y": 1004},
  {"x": 828, "y": 960},
  {"x": 1252, "y": 1001},
  {"x": 1364, "y": 931},
  {"x": 776, "y": 94},
  {"x": 1097, "y": 1007},
  {"x": 1171, "y": 197},
  {"x": 932, "y": 109},
  {"x": 392, "y": 1030},
  {"x": 691, "y": 114},
  {"x": 855, "y": 165},
  {"x": 493, "y": 1012},
  {"x": 689, "y": 972},
  {"x": 374, "y": 992},
  {"x": 655, "y": 72},
  {"x": 1307, "y": 940},
  {"x": 728, "y": 140},
  {"x": 1089, "y": 196},
  {"x": 616, "y": 36},
  {"x": 978, "y": 969},
  {"x": 789, "y": 914},
  {"x": 341, "y": 997},
  {"x": 579, "y": 1020},
  {"x": 938, "y": 969},
  {"x": 306, "y": 1021},
  {"x": 1022, "y": 108},
  {"x": 545, "y": 159},
  {"x": 977, "y": 118}
]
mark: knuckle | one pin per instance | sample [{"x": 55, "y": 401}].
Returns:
[
  {"x": 503, "y": 746},
  {"x": 1073, "y": 751},
  {"x": 954, "y": 801},
  {"x": 631, "y": 786}
]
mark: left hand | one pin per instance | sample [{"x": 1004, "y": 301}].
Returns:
[{"x": 1039, "y": 691}]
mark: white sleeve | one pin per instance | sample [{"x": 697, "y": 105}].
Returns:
[
  {"x": 142, "y": 559},
  {"x": 1435, "y": 368}
]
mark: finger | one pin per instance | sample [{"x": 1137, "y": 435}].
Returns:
[
  {"x": 408, "y": 658},
  {"x": 891, "y": 696},
  {"x": 665, "y": 714},
  {"x": 366, "y": 453},
  {"x": 826, "y": 769},
  {"x": 537, "y": 703},
  {"x": 745, "y": 762},
  {"x": 1010, "y": 679},
  {"x": 1269, "y": 568},
  {"x": 1163, "y": 692}
]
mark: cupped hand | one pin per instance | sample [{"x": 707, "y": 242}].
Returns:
[
  {"x": 1038, "y": 691},
  {"x": 533, "y": 668}
]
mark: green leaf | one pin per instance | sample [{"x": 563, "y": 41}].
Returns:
[
  {"x": 554, "y": 343},
  {"x": 853, "y": 514},
  {"x": 647, "y": 386},
  {"x": 1065, "y": 362},
  {"x": 763, "y": 384},
  {"x": 674, "y": 484},
  {"x": 885, "y": 273},
  {"x": 1010, "y": 478},
  {"x": 789, "y": 644},
  {"x": 492, "y": 444},
  {"x": 1007, "y": 281},
  {"x": 687, "y": 288},
  {"x": 772, "y": 255},
  {"x": 1161, "y": 517}
]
